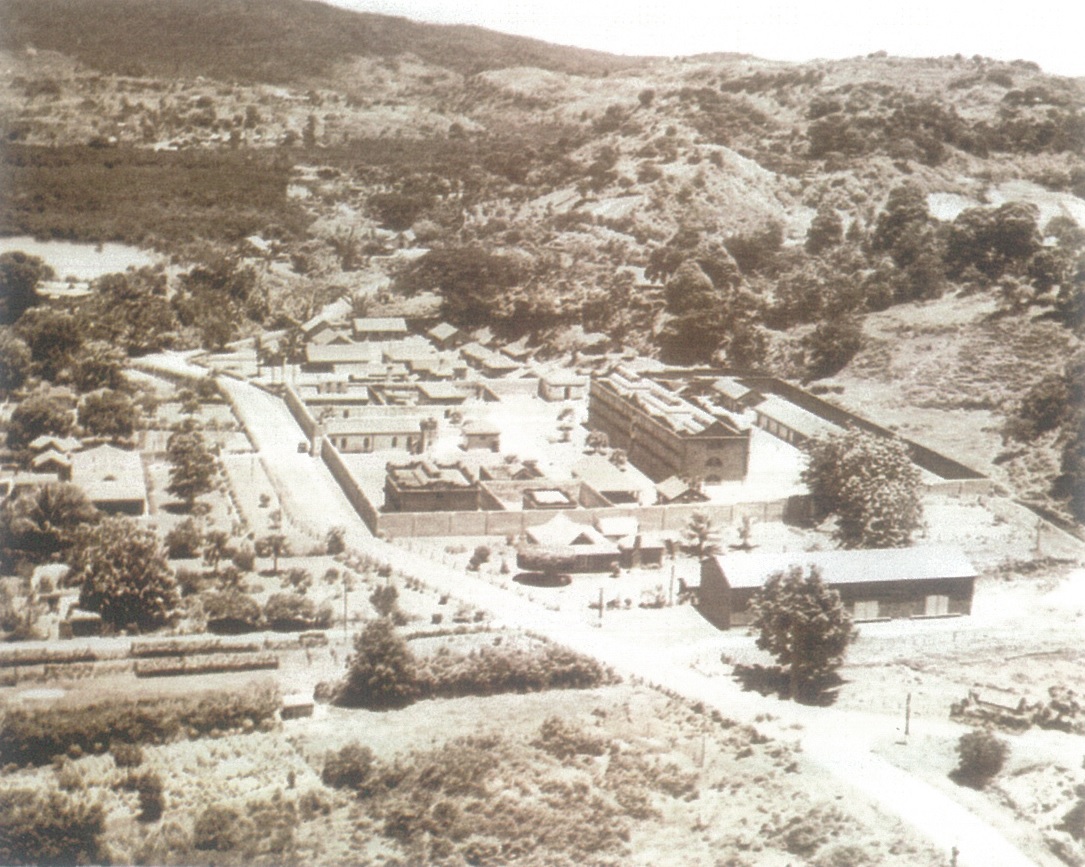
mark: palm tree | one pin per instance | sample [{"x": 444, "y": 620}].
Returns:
[
  {"x": 700, "y": 536},
  {"x": 42, "y": 522}
]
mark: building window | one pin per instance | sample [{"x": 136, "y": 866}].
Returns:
[
  {"x": 395, "y": 441},
  {"x": 366, "y": 445},
  {"x": 713, "y": 462}
]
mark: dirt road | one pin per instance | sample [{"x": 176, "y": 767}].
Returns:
[{"x": 838, "y": 741}]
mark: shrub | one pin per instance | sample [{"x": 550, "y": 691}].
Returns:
[
  {"x": 481, "y": 555},
  {"x": 288, "y": 612},
  {"x": 126, "y": 755},
  {"x": 384, "y": 600},
  {"x": 564, "y": 740},
  {"x": 218, "y": 827},
  {"x": 49, "y": 829},
  {"x": 213, "y": 664},
  {"x": 982, "y": 755},
  {"x": 349, "y": 767},
  {"x": 231, "y": 612},
  {"x": 244, "y": 557},
  {"x": 184, "y": 541},
  {"x": 152, "y": 803},
  {"x": 300, "y": 580},
  {"x": 34, "y": 735},
  {"x": 382, "y": 671}
]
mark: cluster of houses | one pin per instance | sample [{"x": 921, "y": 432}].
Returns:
[
  {"x": 376, "y": 385},
  {"x": 111, "y": 477}
]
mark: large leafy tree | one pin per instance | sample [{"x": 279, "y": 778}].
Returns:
[
  {"x": 20, "y": 275},
  {"x": 54, "y": 338},
  {"x": 192, "y": 466},
  {"x": 46, "y": 411},
  {"x": 382, "y": 672},
  {"x": 15, "y": 361},
  {"x": 804, "y": 625},
  {"x": 130, "y": 311},
  {"x": 108, "y": 413},
  {"x": 41, "y": 522},
  {"x": 869, "y": 483},
  {"x": 123, "y": 574}
]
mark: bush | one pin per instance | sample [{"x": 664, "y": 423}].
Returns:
[
  {"x": 126, "y": 755},
  {"x": 289, "y": 612},
  {"x": 215, "y": 663},
  {"x": 231, "y": 612},
  {"x": 384, "y": 600},
  {"x": 184, "y": 541},
  {"x": 982, "y": 755},
  {"x": 49, "y": 829},
  {"x": 152, "y": 803},
  {"x": 382, "y": 671},
  {"x": 348, "y": 768},
  {"x": 481, "y": 555},
  {"x": 564, "y": 740},
  {"x": 35, "y": 735},
  {"x": 244, "y": 557},
  {"x": 218, "y": 827}
]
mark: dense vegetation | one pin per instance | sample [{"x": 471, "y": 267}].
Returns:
[
  {"x": 140, "y": 196},
  {"x": 36, "y": 735}
]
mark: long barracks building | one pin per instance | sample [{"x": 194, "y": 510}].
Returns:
[{"x": 665, "y": 435}]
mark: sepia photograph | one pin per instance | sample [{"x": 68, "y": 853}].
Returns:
[{"x": 474, "y": 433}]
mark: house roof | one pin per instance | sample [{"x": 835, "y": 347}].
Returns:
[
  {"x": 429, "y": 476},
  {"x": 730, "y": 387},
  {"x": 340, "y": 353},
  {"x": 672, "y": 488},
  {"x": 923, "y": 563},
  {"x": 562, "y": 532},
  {"x": 617, "y": 528},
  {"x": 480, "y": 427},
  {"x": 564, "y": 377},
  {"x": 443, "y": 331},
  {"x": 60, "y": 444},
  {"x": 108, "y": 474},
  {"x": 52, "y": 456},
  {"x": 602, "y": 475},
  {"x": 479, "y": 354},
  {"x": 794, "y": 417},
  {"x": 517, "y": 349},
  {"x": 380, "y": 325},
  {"x": 549, "y": 496},
  {"x": 366, "y": 424},
  {"x": 441, "y": 391},
  {"x": 668, "y": 408}
]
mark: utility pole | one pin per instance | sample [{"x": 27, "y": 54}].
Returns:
[
  {"x": 344, "y": 609},
  {"x": 600, "y": 604},
  {"x": 907, "y": 714},
  {"x": 671, "y": 591}
]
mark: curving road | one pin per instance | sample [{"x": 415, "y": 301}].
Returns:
[{"x": 838, "y": 741}]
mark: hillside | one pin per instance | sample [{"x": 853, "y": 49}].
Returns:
[{"x": 714, "y": 209}]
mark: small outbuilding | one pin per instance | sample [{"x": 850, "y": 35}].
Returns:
[{"x": 874, "y": 584}]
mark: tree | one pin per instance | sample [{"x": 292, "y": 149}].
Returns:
[
  {"x": 826, "y": 230},
  {"x": 108, "y": 413},
  {"x": 382, "y": 672},
  {"x": 96, "y": 365},
  {"x": 184, "y": 541},
  {"x": 15, "y": 361},
  {"x": 54, "y": 339},
  {"x": 47, "y": 411},
  {"x": 384, "y": 600},
  {"x": 130, "y": 311},
  {"x": 870, "y": 483},
  {"x": 804, "y": 625},
  {"x": 124, "y": 574},
  {"x": 982, "y": 755},
  {"x": 20, "y": 275},
  {"x": 335, "y": 541},
  {"x": 216, "y": 547},
  {"x": 700, "y": 536},
  {"x": 831, "y": 345},
  {"x": 273, "y": 545},
  {"x": 192, "y": 466},
  {"x": 40, "y": 522}
]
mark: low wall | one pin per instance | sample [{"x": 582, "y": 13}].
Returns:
[
  {"x": 300, "y": 411},
  {"x": 342, "y": 474},
  {"x": 652, "y": 519}
]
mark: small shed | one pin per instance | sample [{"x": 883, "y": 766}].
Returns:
[
  {"x": 563, "y": 385},
  {"x": 444, "y": 336},
  {"x": 874, "y": 584},
  {"x": 676, "y": 491},
  {"x": 481, "y": 435}
]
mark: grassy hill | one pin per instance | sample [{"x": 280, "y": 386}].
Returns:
[
  {"x": 709, "y": 209},
  {"x": 277, "y": 41}
]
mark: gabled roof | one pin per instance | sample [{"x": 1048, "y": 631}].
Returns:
[
  {"x": 380, "y": 325},
  {"x": 617, "y": 528},
  {"x": 480, "y": 427},
  {"x": 429, "y": 476},
  {"x": 672, "y": 488},
  {"x": 52, "y": 456},
  {"x": 337, "y": 353},
  {"x": 561, "y": 532},
  {"x": 109, "y": 474},
  {"x": 367, "y": 424},
  {"x": 923, "y": 563},
  {"x": 60, "y": 444},
  {"x": 441, "y": 391},
  {"x": 794, "y": 417}
]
